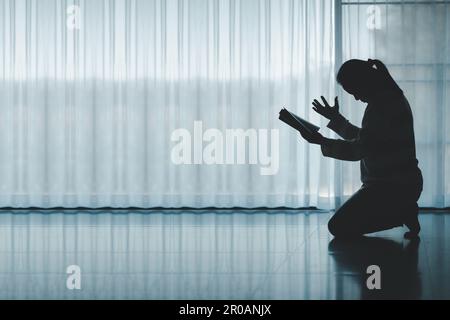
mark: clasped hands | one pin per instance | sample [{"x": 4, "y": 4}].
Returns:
[{"x": 325, "y": 110}]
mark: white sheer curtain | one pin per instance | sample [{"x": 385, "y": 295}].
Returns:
[
  {"x": 413, "y": 39},
  {"x": 91, "y": 93}
]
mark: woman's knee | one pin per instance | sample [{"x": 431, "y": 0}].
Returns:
[
  {"x": 340, "y": 226},
  {"x": 334, "y": 226}
]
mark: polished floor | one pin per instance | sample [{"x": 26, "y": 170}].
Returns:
[{"x": 214, "y": 255}]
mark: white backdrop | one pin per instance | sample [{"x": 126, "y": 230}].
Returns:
[{"x": 92, "y": 96}]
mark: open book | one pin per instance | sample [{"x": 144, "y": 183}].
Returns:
[{"x": 296, "y": 122}]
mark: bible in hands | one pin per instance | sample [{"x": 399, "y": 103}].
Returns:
[
  {"x": 308, "y": 130},
  {"x": 296, "y": 122}
]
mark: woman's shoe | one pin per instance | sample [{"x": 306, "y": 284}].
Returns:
[{"x": 413, "y": 224}]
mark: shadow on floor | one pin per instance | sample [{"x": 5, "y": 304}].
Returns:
[{"x": 398, "y": 262}]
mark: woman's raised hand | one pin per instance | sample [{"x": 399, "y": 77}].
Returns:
[{"x": 326, "y": 110}]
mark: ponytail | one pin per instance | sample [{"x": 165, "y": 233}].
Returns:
[{"x": 384, "y": 73}]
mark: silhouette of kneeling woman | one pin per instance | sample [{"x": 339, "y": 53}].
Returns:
[{"x": 385, "y": 146}]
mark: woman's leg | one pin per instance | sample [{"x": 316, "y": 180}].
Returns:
[
  {"x": 411, "y": 219},
  {"x": 370, "y": 209}
]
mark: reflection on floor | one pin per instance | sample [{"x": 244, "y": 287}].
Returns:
[{"x": 214, "y": 255}]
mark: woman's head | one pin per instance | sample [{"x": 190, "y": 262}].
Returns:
[{"x": 364, "y": 79}]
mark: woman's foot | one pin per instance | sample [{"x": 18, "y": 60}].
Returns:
[{"x": 413, "y": 224}]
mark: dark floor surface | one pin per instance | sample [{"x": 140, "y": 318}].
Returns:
[{"x": 215, "y": 255}]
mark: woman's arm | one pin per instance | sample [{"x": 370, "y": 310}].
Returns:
[
  {"x": 344, "y": 128},
  {"x": 337, "y": 123},
  {"x": 349, "y": 150},
  {"x": 372, "y": 138}
]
